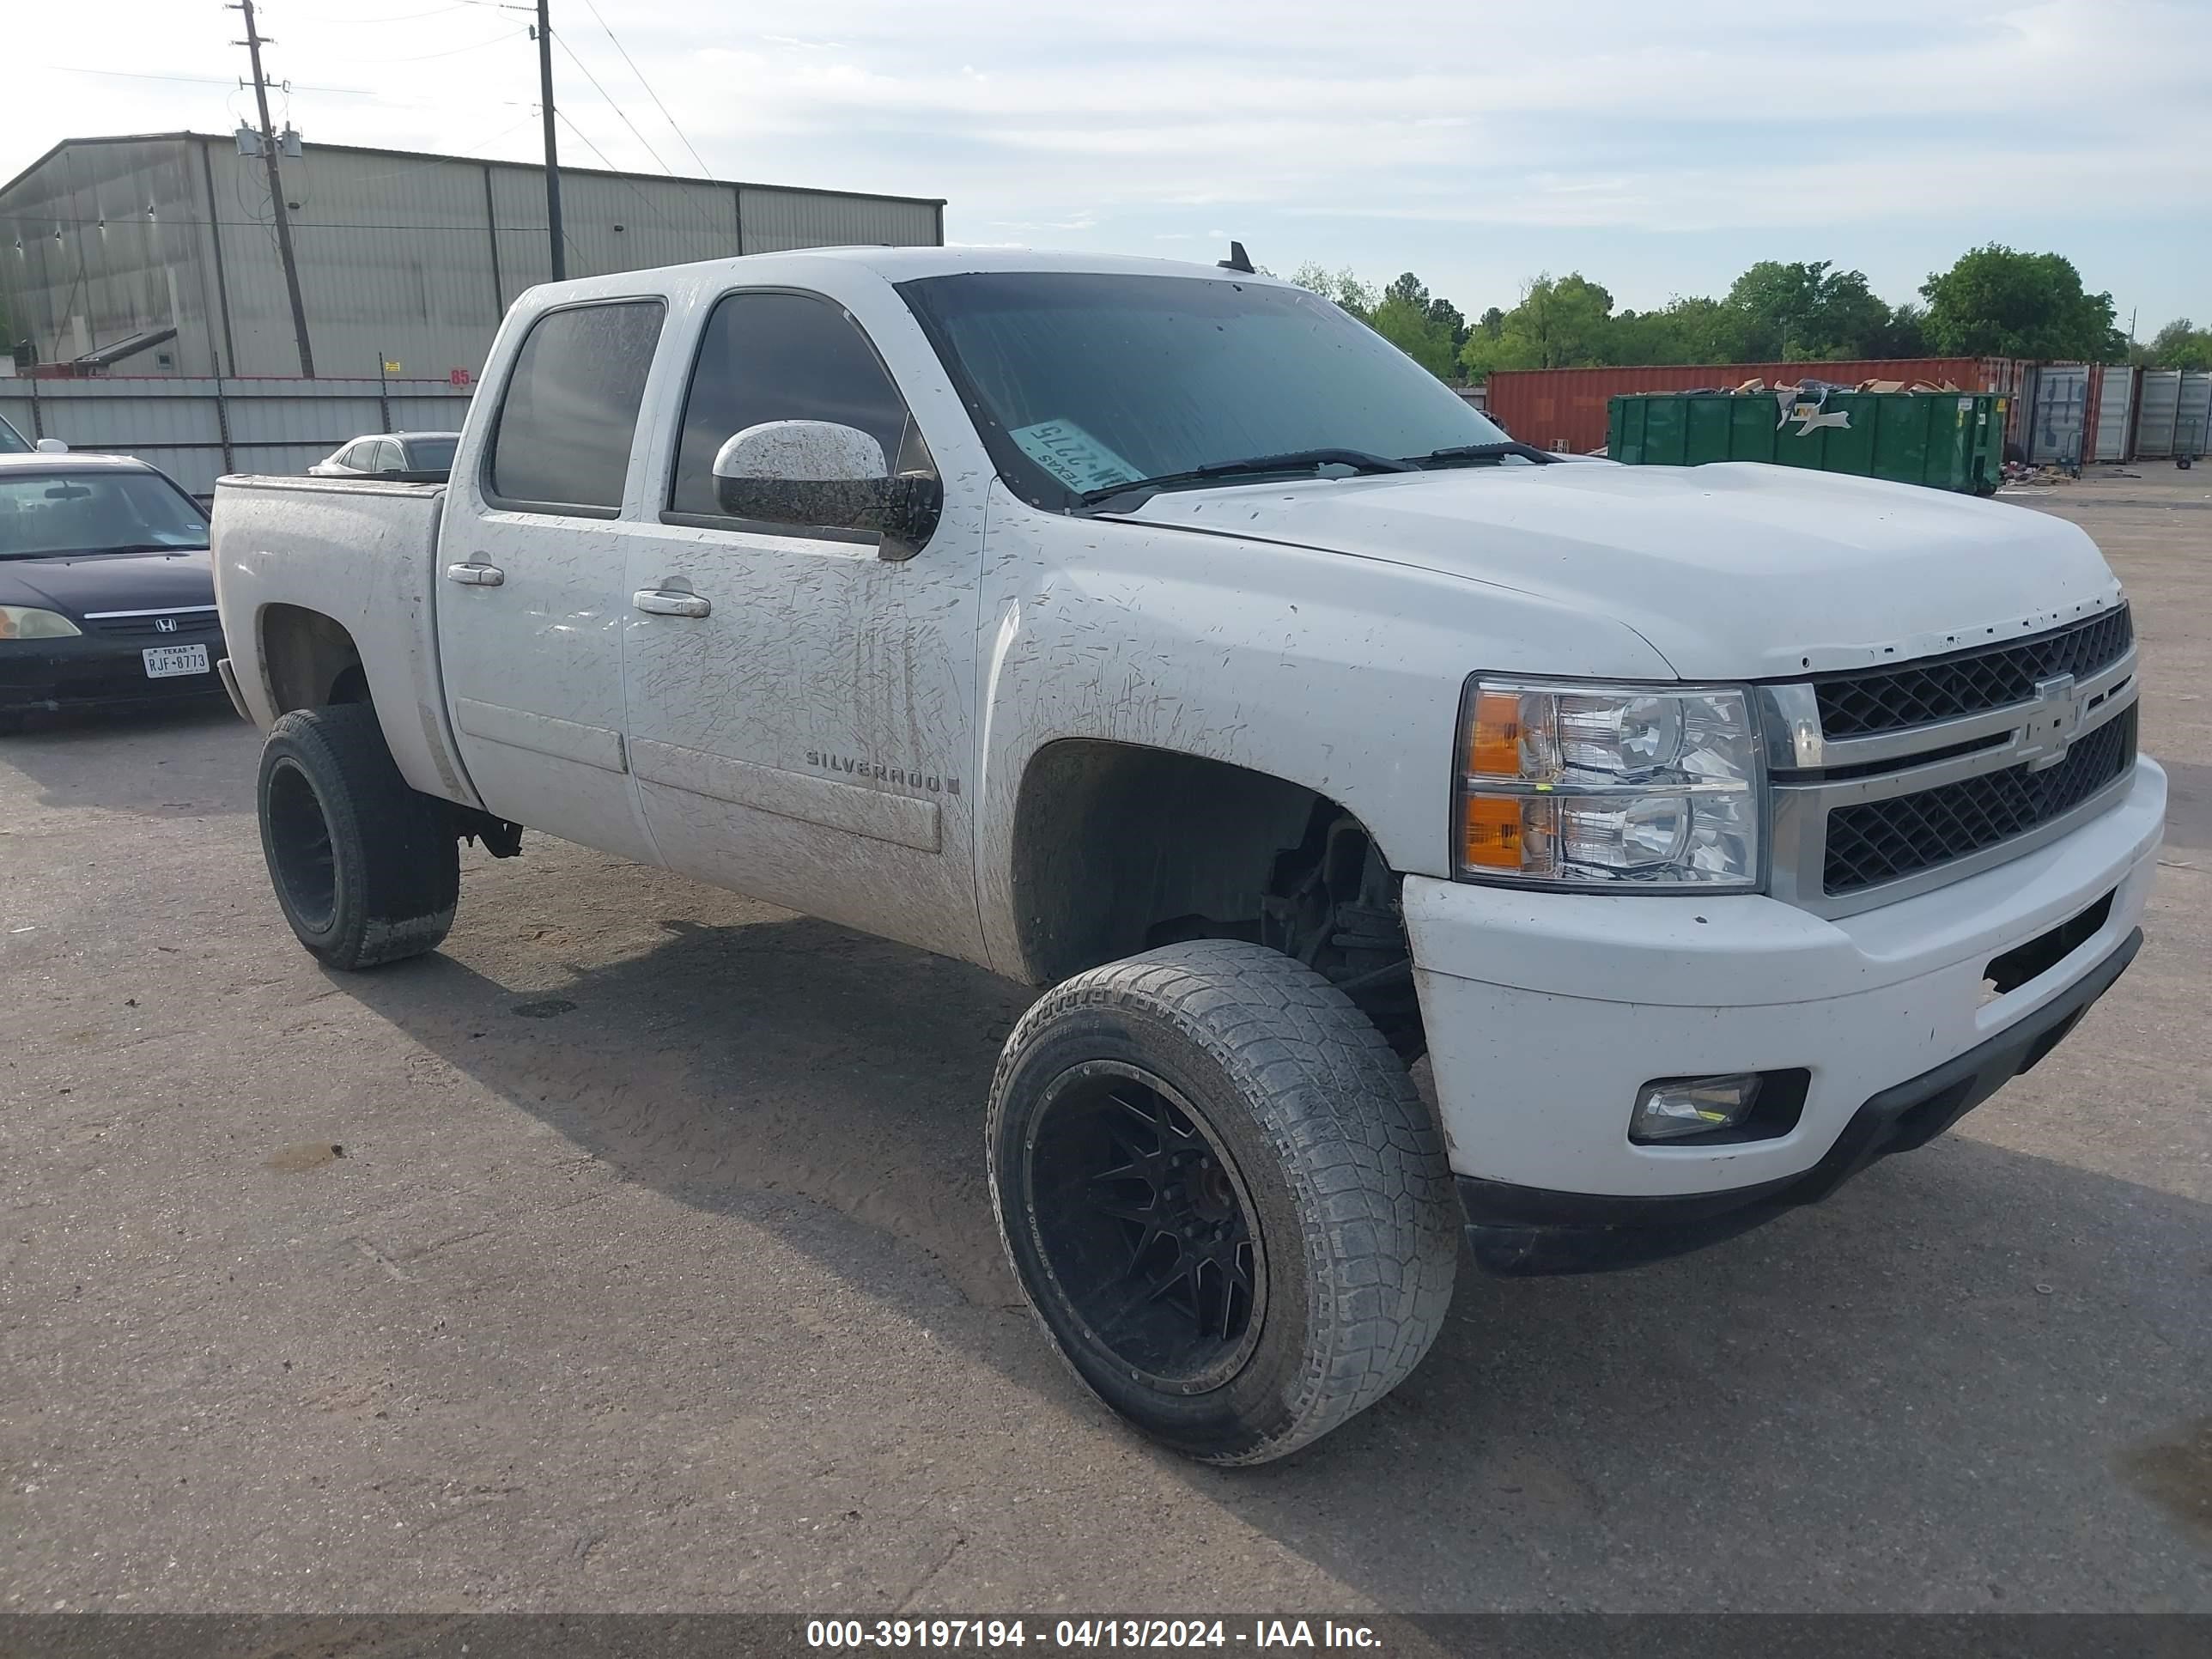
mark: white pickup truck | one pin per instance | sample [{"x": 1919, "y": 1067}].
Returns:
[{"x": 1158, "y": 636}]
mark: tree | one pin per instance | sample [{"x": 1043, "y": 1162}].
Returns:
[
  {"x": 1409, "y": 289},
  {"x": 1997, "y": 302},
  {"x": 1413, "y": 294},
  {"x": 1442, "y": 311},
  {"x": 1426, "y": 339},
  {"x": 1789, "y": 312},
  {"x": 1340, "y": 286},
  {"x": 1559, "y": 323},
  {"x": 2179, "y": 345}
]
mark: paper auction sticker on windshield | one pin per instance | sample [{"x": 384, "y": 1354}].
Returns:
[{"x": 1073, "y": 455}]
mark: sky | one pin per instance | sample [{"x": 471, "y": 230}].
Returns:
[{"x": 1658, "y": 149}]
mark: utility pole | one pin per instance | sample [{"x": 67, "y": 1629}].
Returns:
[
  {"x": 253, "y": 43},
  {"x": 552, "y": 149}
]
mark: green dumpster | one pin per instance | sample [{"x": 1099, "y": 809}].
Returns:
[{"x": 1946, "y": 440}]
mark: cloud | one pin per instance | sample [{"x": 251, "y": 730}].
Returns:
[{"x": 1120, "y": 127}]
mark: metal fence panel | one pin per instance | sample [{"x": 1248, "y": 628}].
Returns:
[{"x": 197, "y": 429}]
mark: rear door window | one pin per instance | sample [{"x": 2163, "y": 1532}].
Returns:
[{"x": 569, "y": 413}]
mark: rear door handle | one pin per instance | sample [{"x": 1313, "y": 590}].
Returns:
[
  {"x": 476, "y": 575},
  {"x": 658, "y": 602}
]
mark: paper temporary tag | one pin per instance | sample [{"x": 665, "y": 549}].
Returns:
[{"x": 1073, "y": 455}]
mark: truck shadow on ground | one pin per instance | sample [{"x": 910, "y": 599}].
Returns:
[{"x": 1623, "y": 1431}]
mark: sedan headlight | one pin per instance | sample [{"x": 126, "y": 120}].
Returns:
[
  {"x": 23, "y": 621},
  {"x": 1656, "y": 788}
]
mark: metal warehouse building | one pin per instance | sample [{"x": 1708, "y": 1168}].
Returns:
[{"x": 157, "y": 255}]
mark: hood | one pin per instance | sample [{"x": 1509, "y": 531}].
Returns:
[
  {"x": 1732, "y": 571},
  {"x": 74, "y": 583}
]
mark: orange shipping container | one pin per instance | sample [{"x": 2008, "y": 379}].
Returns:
[{"x": 1566, "y": 408}]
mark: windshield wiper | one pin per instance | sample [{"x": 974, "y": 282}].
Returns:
[
  {"x": 1140, "y": 490},
  {"x": 1483, "y": 452}
]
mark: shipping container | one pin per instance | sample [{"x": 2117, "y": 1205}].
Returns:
[
  {"x": 2116, "y": 407},
  {"x": 2158, "y": 414},
  {"x": 1945, "y": 441},
  {"x": 2056, "y": 423},
  {"x": 1566, "y": 408}
]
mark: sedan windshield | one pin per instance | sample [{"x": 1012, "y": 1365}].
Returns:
[
  {"x": 43, "y": 514},
  {"x": 1082, "y": 380},
  {"x": 431, "y": 455}
]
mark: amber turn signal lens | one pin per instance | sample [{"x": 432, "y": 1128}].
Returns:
[
  {"x": 1493, "y": 737},
  {"x": 1491, "y": 833}
]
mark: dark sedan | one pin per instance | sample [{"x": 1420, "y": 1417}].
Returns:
[{"x": 106, "y": 596}]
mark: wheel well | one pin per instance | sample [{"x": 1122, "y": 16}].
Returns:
[
  {"x": 311, "y": 661},
  {"x": 1118, "y": 848}
]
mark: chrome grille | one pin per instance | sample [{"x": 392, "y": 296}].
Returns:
[
  {"x": 1919, "y": 693},
  {"x": 192, "y": 623},
  {"x": 1881, "y": 841},
  {"x": 1948, "y": 783}
]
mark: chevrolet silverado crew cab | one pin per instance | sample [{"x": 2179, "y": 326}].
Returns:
[{"x": 1160, "y": 637}]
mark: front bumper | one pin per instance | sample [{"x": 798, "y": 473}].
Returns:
[
  {"x": 92, "y": 670},
  {"x": 1546, "y": 1012}
]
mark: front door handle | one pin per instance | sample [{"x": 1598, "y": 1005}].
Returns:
[
  {"x": 476, "y": 575},
  {"x": 659, "y": 602}
]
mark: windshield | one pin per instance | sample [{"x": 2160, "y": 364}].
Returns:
[
  {"x": 1081, "y": 380},
  {"x": 12, "y": 442},
  {"x": 431, "y": 455},
  {"x": 43, "y": 514}
]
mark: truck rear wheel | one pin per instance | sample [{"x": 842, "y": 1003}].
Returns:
[
  {"x": 365, "y": 869},
  {"x": 1228, "y": 1206}
]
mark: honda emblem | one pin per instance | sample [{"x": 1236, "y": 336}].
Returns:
[{"x": 165, "y": 625}]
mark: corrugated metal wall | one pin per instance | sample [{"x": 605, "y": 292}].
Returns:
[
  {"x": 412, "y": 257},
  {"x": 197, "y": 429},
  {"x": 778, "y": 219},
  {"x": 1566, "y": 408}
]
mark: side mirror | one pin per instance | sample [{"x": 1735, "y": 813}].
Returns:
[
  {"x": 819, "y": 475},
  {"x": 52, "y": 446}
]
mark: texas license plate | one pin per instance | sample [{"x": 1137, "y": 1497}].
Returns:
[{"x": 166, "y": 661}]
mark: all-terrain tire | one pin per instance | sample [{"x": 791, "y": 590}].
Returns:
[
  {"x": 366, "y": 870},
  {"x": 1341, "y": 1168}
]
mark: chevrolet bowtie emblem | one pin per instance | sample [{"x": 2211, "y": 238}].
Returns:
[{"x": 2052, "y": 721}]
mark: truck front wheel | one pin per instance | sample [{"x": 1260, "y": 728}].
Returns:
[
  {"x": 1226, "y": 1203},
  {"x": 365, "y": 869}
]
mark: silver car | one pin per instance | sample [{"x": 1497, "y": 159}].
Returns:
[{"x": 416, "y": 456}]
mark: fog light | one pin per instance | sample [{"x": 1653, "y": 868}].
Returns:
[{"x": 1673, "y": 1107}]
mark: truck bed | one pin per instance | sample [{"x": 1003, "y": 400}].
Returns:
[{"x": 364, "y": 553}]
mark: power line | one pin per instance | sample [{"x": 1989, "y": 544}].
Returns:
[
  {"x": 608, "y": 98},
  {"x": 209, "y": 80},
  {"x": 622, "y": 115},
  {"x": 608, "y": 29},
  {"x": 569, "y": 121}
]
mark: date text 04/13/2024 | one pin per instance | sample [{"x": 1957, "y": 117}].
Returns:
[{"x": 984, "y": 1635}]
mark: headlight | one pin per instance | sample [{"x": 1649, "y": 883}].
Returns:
[
  {"x": 22, "y": 622},
  {"x": 1650, "y": 787}
]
